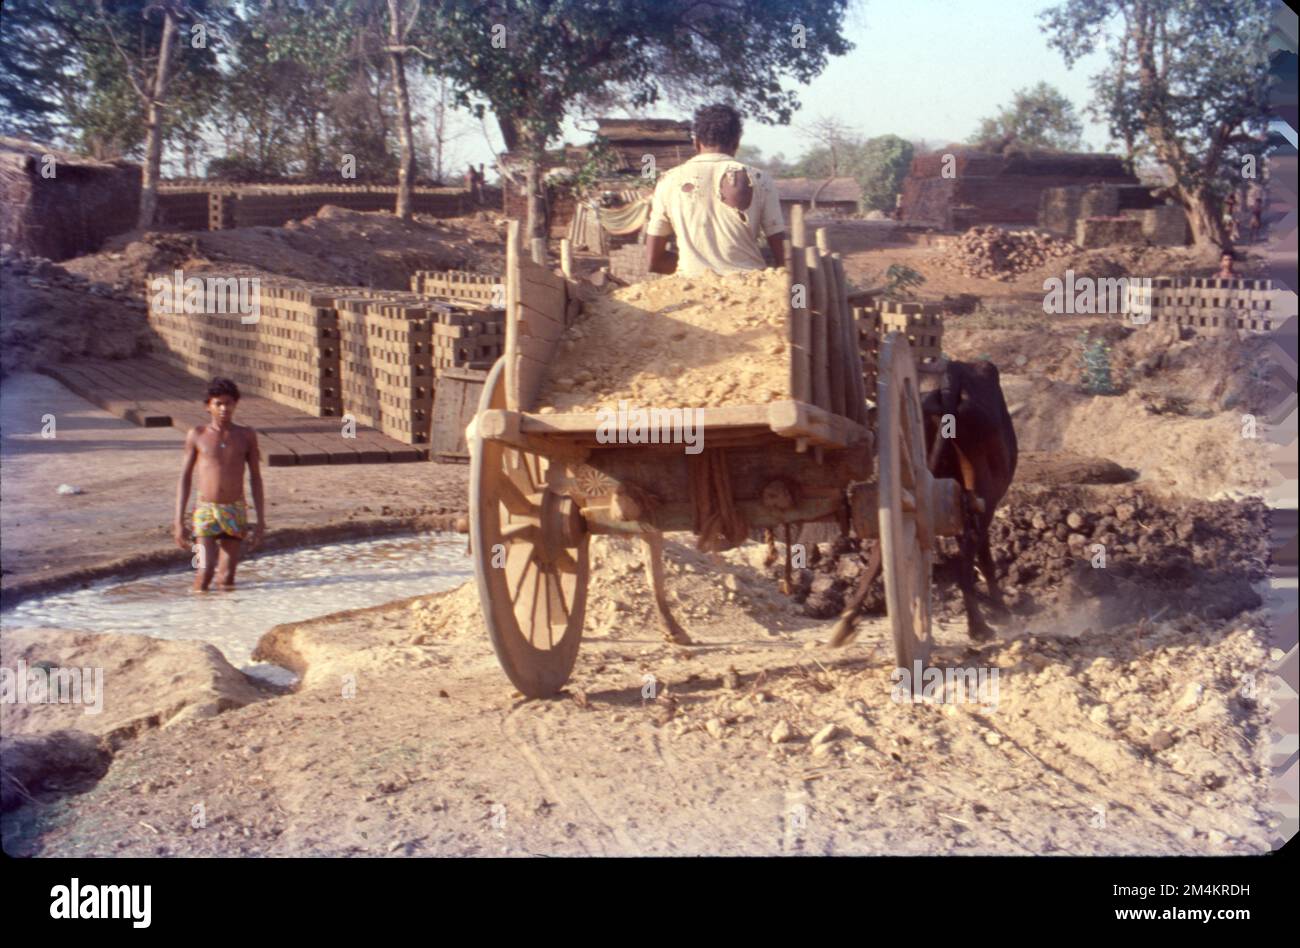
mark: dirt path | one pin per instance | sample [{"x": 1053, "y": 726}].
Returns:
[
  {"x": 1137, "y": 739},
  {"x": 128, "y": 475}
]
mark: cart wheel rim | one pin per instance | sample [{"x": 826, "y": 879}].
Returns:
[
  {"x": 904, "y": 488},
  {"x": 532, "y": 588}
]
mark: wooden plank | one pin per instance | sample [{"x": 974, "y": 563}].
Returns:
[
  {"x": 512, "y": 315},
  {"x": 537, "y": 324},
  {"x": 800, "y": 332},
  {"x": 792, "y": 419},
  {"x": 566, "y": 258},
  {"x": 834, "y": 336},
  {"x": 541, "y": 275},
  {"x": 852, "y": 351},
  {"x": 798, "y": 230},
  {"x": 538, "y": 245},
  {"x": 531, "y": 373},
  {"x": 818, "y": 368}
]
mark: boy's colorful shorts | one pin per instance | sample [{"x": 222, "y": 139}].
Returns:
[{"x": 212, "y": 520}]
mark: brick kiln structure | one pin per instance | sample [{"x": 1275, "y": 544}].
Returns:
[
  {"x": 71, "y": 213},
  {"x": 985, "y": 188}
]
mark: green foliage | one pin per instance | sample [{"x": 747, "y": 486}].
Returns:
[
  {"x": 899, "y": 280},
  {"x": 879, "y": 165},
  {"x": 1038, "y": 117},
  {"x": 1095, "y": 373},
  {"x": 1186, "y": 80},
  {"x": 550, "y": 56},
  {"x": 601, "y": 160}
]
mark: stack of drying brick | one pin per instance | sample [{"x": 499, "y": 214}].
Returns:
[
  {"x": 1210, "y": 303},
  {"x": 469, "y": 319},
  {"x": 465, "y": 337},
  {"x": 289, "y": 353},
  {"x": 459, "y": 285},
  {"x": 922, "y": 322},
  {"x": 386, "y": 363}
]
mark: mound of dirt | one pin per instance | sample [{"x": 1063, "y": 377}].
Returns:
[
  {"x": 696, "y": 341},
  {"x": 1161, "y": 556},
  {"x": 49, "y": 314}
]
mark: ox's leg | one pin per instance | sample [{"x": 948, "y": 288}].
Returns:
[
  {"x": 654, "y": 564},
  {"x": 845, "y": 630},
  {"x": 969, "y": 543},
  {"x": 990, "y": 572}
]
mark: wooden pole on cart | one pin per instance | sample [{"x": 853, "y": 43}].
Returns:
[
  {"x": 512, "y": 300},
  {"x": 857, "y": 388},
  {"x": 820, "y": 379},
  {"x": 566, "y": 258},
  {"x": 834, "y": 328},
  {"x": 539, "y": 251},
  {"x": 800, "y": 332}
]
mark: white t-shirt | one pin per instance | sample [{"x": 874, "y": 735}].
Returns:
[{"x": 711, "y": 236}]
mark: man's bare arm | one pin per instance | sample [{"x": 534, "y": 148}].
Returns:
[
  {"x": 183, "y": 489},
  {"x": 259, "y": 494},
  {"x": 777, "y": 244},
  {"x": 658, "y": 259}
]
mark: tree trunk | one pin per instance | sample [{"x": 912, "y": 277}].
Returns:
[
  {"x": 535, "y": 192},
  {"x": 397, "y": 64},
  {"x": 154, "y": 132},
  {"x": 1205, "y": 217},
  {"x": 406, "y": 166}
]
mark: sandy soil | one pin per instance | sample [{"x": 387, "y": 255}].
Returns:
[
  {"x": 701, "y": 341},
  {"x": 405, "y": 740}
]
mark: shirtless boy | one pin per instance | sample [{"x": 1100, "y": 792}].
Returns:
[{"x": 220, "y": 450}]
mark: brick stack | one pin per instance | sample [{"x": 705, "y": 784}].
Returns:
[
  {"x": 460, "y": 285},
  {"x": 923, "y": 323},
  {"x": 1212, "y": 303},
  {"x": 289, "y": 354},
  {"x": 464, "y": 337},
  {"x": 386, "y": 365}
]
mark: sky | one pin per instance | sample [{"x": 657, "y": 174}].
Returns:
[{"x": 920, "y": 69}]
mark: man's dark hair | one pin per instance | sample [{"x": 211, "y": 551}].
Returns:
[
  {"x": 218, "y": 387},
  {"x": 717, "y": 126}
]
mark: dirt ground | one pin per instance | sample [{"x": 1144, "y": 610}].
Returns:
[{"x": 1130, "y": 707}]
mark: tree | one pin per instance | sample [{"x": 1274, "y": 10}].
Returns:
[
  {"x": 532, "y": 61},
  {"x": 149, "y": 61},
  {"x": 400, "y": 25},
  {"x": 1038, "y": 117},
  {"x": 882, "y": 165},
  {"x": 1188, "y": 78}
]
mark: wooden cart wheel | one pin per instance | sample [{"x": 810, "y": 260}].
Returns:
[
  {"x": 530, "y": 558},
  {"x": 906, "y": 542}
]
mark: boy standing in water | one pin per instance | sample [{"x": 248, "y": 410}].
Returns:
[{"x": 220, "y": 449}]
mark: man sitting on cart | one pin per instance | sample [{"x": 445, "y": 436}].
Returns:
[{"x": 715, "y": 205}]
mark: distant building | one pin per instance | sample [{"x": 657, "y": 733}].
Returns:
[
  {"x": 837, "y": 197},
  {"x": 57, "y": 204},
  {"x": 956, "y": 188}
]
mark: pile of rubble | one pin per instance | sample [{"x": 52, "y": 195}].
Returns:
[
  {"x": 48, "y": 314},
  {"x": 1169, "y": 556},
  {"x": 997, "y": 254}
]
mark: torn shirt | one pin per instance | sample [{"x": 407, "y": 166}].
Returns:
[{"x": 711, "y": 235}]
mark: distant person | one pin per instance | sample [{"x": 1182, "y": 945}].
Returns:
[
  {"x": 1226, "y": 271},
  {"x": 714, "y": 205},
  {"x": 1230, "y": 216},
  {"x": 480, "y": 181},
  {"x": 219, "y": 450},
  {"x": 470, "y": 176},
  {"x": 1256, "y": 216}
]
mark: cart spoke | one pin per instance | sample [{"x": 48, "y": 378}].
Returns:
[
  {"x": 522, "y": 533},
  {"x": 518, "y": 558},
  {"x": 565, "y": 562}
]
